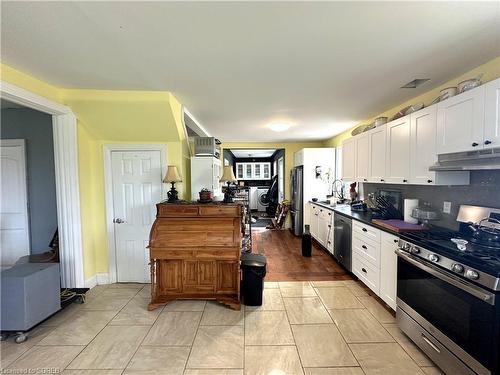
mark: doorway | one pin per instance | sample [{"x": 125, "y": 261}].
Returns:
[
  {"x": 134, "y": 185},
  {"x": 14, "y": 226}
]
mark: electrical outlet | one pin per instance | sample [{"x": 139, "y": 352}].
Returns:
[{"x": 446, "y": 207}]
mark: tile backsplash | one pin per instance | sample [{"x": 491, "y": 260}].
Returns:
[{"x": 484, "y": 190}]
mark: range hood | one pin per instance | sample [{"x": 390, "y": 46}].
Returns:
[{"x": 468, "y": 161}]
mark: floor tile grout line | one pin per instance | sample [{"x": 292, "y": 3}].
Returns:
[
  {"x": 336, "y": 326},
  {"x": 91, "y": 341},
  {"x": 293, "y": 336},
  {"x": 194, "y": 338}
]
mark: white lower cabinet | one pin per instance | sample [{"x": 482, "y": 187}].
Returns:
[
  {"x": 321, "y": 225},
  {"x": 388, "y": 269},
  {"x": 366, "y": 272},
  {"x": 314, "y": 221},
  {"x": 374, "y": 261}
]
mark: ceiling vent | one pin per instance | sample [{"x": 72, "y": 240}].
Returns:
[{"x": 417, "y": 82}]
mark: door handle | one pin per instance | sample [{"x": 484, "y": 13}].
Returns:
[
  {"x": 118, "y": 221},
  {"x": 431, "y": 344},
  {"x": 364, "y": 247}
]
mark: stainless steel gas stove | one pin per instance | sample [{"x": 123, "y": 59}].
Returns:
[{"x": 448, "y": 292}]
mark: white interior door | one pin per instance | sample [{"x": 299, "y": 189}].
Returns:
[
  {"x": 14, "y": 229},
  {"x": 137, "y": 183}
]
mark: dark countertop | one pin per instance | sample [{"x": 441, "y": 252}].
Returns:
[
  {"x": 211, "y": 203},
  {"x": 364, "y": 217}
]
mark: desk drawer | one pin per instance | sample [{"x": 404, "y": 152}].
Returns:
[
  {"x": 220, "y": 210},
  {"x": 228, "y": 253},
  {"x": 366, "y": 231},
  {"x": 167, "y": 210},
  {"x": 369, "y": 250},
  {"x": 366, "y": 272},
  {"x": 160, "y": 253}
]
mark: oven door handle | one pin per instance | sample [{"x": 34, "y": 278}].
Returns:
[{"x": 443, "y": 275}]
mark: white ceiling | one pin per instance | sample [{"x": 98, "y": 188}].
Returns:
[
  {"x": 237, "y": 66},
  {"x": 253, "y": 153}
]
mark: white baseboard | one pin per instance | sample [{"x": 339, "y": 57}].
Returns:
[
  {"x": 97, "y": 279},
  {"x": 102, "y": 278},
  {"x": 91, "y": 282}
]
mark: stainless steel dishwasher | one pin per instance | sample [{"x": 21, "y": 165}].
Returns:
[{"x": 342, "y": 240}]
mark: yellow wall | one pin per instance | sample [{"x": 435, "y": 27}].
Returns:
[
  {"x": 111, "y": 117},
  {"x": 290, "y": 149},
  {"x": 490, "y": 71}
]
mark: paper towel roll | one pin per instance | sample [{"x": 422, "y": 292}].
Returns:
[{"x": 410, "y": 204}]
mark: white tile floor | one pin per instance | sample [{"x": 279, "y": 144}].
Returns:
[{"x": 332, "y": 327}]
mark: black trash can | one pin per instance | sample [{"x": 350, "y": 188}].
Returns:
[
  {"x": 306, "y": 242},
  {"x": 253, "y": 267}
]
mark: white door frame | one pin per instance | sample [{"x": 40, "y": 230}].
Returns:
[
  {"x": 108, "y": 188},
  {"x": 67, "y": 182}
]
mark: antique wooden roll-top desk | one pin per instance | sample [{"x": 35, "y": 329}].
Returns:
[{"x": 195, "y": 252}]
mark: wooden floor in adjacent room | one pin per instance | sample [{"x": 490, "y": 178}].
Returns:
[{"x": 285, "y": 261}]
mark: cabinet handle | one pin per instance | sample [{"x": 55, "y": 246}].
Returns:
[
  {"x": 329, "y": 226},
  {"x": 364, "y": 179},
  {"x": 487, "y": 142},
  {"x": 405, "y": 180},
  {"x": 396, "y": 241},
  {"x": 382, "y": 180},
  {"x": 429, "y": 181},
  {"x": 362, "y": 269},
  {"x": 364, "y": 247},
  {"x": 364, "y": 229},
  {"x": 474, "y": 144}
]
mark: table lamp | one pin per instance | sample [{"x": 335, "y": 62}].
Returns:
[
  {"x": 228, "y": 176},
  {"x": 172, "y": 177}
]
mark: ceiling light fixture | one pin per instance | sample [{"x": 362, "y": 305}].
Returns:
[{"x": 279, "y": 126}]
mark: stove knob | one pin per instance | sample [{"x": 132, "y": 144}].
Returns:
[
  {"x": 433, "y": 258},
  {"x": 458, "y": 268},
  {"x": 415, "y": 250},
  {"x": 406, "y": 246},
  {"x": 471, "y": 274}
]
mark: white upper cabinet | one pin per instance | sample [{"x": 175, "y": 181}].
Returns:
[
  {"x": 492, "y": 114},
  {"x": 253, "y": 171},
  {"x": 460, "y": 122},
  {"x": 362, "y": 157},
  {"x": 349, "y": 159},
  {"x": 377, "y": 147},
  {"x": 398, "y": 151},
  {"x": 423, "y": 145}
]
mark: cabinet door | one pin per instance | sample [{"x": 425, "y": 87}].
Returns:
[
  {"x": 206, "y": 273},
  {"x": 239, "y": 171},
  {"x": 266, "y": 171},
  {"x": 460, "y": 122},
  {"x": 330, "y": 235},
  {"x": 216, "y": 175},
  {"x": 362, "y": 157},
  {"x": 388, "y": 269},
  {"x": 377, "y": 139},
  {"x": 321, "y": 227},
  {"x": 492, "y": 114},
  {"x": 314, "y": 221},
  {"x": 190, "y": 273},
  {"x": 257, "y": 171},
  {"x": 227, "y": 277},
  {"x": 248, "y": 171},
  {"x": 349, "y": 159},
  {"x": 169, "y": 276},
  {"x": 398, "y": 151},
  {"x": 423, "y": 126}
]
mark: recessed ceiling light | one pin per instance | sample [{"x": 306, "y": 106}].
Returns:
[
  {"x": 415, "y": 83},
  {"x": 279, "y": 126}
]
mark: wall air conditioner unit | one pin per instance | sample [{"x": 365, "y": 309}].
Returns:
[{"x": 207, "y": 146}]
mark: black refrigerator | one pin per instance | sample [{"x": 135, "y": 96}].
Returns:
[{"x": 297, "y": 206}]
